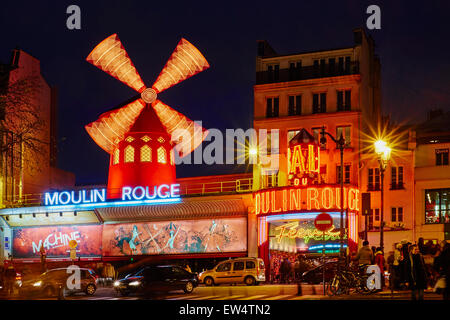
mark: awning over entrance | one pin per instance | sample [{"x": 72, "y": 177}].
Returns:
[{"x": 188, "y": 209}]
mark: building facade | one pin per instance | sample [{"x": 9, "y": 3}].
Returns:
[{"x": 432, "y": 178}]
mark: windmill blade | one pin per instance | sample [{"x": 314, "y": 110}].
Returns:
[
  {"x": 184, "y": 62},
  {"x": 111, "y": 57},
  {"x": 111, "y": 127},
  {"x": 185, "y": 133}
]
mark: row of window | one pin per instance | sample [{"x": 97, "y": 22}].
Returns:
[
  {"x": 344, "y": 130},
  {"x": 145, "y": 155},
  {"x": 396, "y": 179},
  {"x": 335, "y": 66},
  {"x": 396, "y": 215},
  {"x": 319, "y": 104}
]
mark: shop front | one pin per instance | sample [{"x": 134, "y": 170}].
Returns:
[
  {"x": 286, "y": 223},
  {"x": 201, "y": 230}
]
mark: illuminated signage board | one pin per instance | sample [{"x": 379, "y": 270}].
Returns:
[
  {"x": 175, "y": 237},
  {"x": 324, "y": 197},
  {"x": 55, "y": 241},
  {"x": 130, "y": 195},
  {"x": 296, "y": 232},
  {"x": 303, "y": 159}
]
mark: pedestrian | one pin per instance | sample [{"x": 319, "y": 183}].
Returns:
[
  {"x": 417, "y": 273},
  {"x": 285, "y": 269},
  {"x": 380, "y": 262},
  {"x": 421, "y": 245},
  {"x": 365, "y": 254},
  {"x": 390, "y": 269},
  {"x": 9, "y": 279},
  {"x": 297, "y": 268},
  {"x": 443, "y": 266},
  {"x": 404, "y": 262},
  {"x": 396, "y": 266}
]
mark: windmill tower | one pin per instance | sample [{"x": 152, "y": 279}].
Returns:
[{"x": 142, "y": 134}]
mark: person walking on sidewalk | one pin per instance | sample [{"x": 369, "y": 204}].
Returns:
[
  {"x": 417, "y": 273},
  {"x": 443, "y": 266},
  {"x": 380, "y": 262},
  {"x": 396, "y": 267},
  {"x": 365, "y": 254}
]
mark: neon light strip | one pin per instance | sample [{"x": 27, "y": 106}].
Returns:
[
  {"x": 43, "y": 209},
  {"x": 298, "y": 216}
]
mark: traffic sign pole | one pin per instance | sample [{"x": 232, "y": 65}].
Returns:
[
  {"x": 323, "y": 222},
  {"x": 323, "y": 262}
]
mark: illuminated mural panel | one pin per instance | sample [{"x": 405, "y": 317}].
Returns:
[
  {"x": 175, "y": 237},
  {"x": 28, "y": 241}
]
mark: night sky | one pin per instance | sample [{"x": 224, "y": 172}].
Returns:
[{"x": 412, "y": 44}]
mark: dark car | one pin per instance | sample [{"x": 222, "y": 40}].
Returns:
[
  {"x": 315, "y": 275},
  {"x": 51, "y": 282},
  {"x": 157, "y": 278}
]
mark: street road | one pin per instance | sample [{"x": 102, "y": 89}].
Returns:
[
  {"x": 242, "y": 292},
  {"x": 262, "y": 292}
]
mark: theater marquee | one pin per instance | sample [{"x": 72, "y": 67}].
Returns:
[{"x": 323, "y": 197}]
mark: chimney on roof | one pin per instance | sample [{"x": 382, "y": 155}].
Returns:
[
  {"x": 264, "y": 49},
  {"x": 434, "y": 113}
]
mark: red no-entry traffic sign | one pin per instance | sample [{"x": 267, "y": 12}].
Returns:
[{"x": 323, "y": 222}]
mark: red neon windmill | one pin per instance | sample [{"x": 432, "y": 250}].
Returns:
[{"x": 140, "y": 135}]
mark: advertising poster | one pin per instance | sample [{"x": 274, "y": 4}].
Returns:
[
  {"x": 175, "y": 237},
  {"x": 55, "y": 240}
]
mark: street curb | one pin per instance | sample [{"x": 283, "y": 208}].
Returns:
[{"x": 288, "y": 289}]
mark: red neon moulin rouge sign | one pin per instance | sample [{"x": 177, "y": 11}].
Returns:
[
  {"x": 325, "y": 197},
  {"x": 303, "y": 159}
]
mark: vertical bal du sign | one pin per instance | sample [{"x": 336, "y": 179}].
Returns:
[{"x": 303, "y": 159}]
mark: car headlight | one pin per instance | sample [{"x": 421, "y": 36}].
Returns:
[
  {"x": 116, "y": 283},
  {"x": 134, "y": 283},
  {"x": 37, "y": 284}
]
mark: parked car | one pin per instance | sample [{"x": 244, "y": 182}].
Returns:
[
  {"x": 48, "y": 284},
  {"x": 157, "y": 278},
  {"x": 315, "y": 275},
  {"x": 250, "y": 271}
]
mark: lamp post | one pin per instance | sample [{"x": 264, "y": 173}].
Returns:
[
  {"x": 341, "y": 145},
  {"x": 384, "y": 153}
]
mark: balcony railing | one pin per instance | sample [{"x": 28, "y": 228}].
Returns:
[
  {"x": 186, "y": 189},
  {"x": 307, "y": 72}
]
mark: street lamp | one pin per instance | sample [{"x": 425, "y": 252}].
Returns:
[
  {"x": 341, "y": 145},
  {"x": 384, "y": 153}
]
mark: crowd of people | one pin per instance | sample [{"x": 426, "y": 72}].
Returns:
[
  {"x": 288, "y": 267},
  {"x": 415, "y": 267}
]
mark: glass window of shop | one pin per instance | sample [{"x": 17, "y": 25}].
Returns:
[{"x": 437, "y": 206}]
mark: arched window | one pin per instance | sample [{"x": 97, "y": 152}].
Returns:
[
  {"x": 162, "y": 156},
  {"x": 129, "y": 154},
  {"x": 116, "y": 156},
  {"x": 146, "y": 154}
]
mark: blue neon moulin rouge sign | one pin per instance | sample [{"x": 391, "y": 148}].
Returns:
[{"x": 164, "y": 193}]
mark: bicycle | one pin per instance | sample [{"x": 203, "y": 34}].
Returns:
[{"x": 347, "y": 279}]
